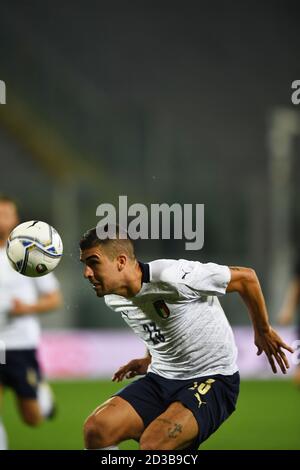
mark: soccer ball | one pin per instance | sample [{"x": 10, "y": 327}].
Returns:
[{"x": 34, "y": 248}]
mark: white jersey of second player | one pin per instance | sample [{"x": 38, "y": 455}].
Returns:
[
  {"x": 179, "y": 317},
  {"x": 20, "y": 332}
]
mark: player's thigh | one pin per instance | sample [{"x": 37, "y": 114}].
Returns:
[
  {"x": 30, "y": 410},
  {"x": 115, "y": 418},
  {"x": 176, "y": 428}
]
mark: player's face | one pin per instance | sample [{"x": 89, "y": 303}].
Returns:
[
  {"x": 8, "y": 218},
  {"x": 100, "y": 270}
]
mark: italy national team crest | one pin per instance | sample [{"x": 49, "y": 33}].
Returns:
[{"x": 161, "y": 308}]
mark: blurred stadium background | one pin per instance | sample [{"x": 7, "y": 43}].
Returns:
[{"x": 173, "y": 102}]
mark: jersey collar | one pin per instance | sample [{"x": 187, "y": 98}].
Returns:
[{"x": 145, "y": 271}]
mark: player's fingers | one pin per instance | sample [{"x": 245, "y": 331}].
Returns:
[
  {"x": 272, "y": 363},
  {"x": 259, "y": 350},
  {"x": 119, "y": 375},
  {"x": 280, "y": 363},
  {"x": 130, "y": 374},
  {"x": 286, "y": 346},
  {"x": 284, "y": 358},
  {"x": 116, "y": 376},
  {"x": 123, "y": 374}
]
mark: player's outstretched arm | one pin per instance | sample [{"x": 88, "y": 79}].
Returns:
[
  {"x": 45, "y": 303},
  {"x": 245, "y": 282},
  {"x": 133, "y": 368}
]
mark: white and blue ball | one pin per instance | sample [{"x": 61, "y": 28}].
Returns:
[{"x": 34, "y": 248}]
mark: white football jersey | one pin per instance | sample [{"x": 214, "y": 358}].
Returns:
[
  {"x": 20, "y": 332},
  {"x": 179, "y": 317}
]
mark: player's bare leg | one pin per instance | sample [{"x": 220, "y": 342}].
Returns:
[
  {"x": 112, "y": 422},
  {"x": 30, "y": 411},
  {"x": 176, "y": 428}
]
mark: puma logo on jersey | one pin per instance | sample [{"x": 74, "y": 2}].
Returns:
[{"x": 185, "y": 273}]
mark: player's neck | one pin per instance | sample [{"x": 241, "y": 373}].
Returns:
[{"x": 133, "y": 283}]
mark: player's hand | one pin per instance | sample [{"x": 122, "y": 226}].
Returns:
[
  {"x": 19, "y": 308},
  {"x": 271, "y": 343},
  {"x": 133, "y": 368}
]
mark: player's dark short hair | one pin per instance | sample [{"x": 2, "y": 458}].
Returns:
[{"x": 113, "y": 245}]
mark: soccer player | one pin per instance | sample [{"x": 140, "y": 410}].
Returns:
[
  {"x": 192, "y": 380},
  {"x": 290, "y": 310},
  {"x": 22, "y": 299}
]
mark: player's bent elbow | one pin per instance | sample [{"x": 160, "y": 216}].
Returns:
[
  {"x": 249, "y": 282},
  {"x": 250, "y": 275},
  {"x": 241, "y": 279}
]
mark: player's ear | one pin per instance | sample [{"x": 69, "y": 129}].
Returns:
[{"x": 121, "y": 262}]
